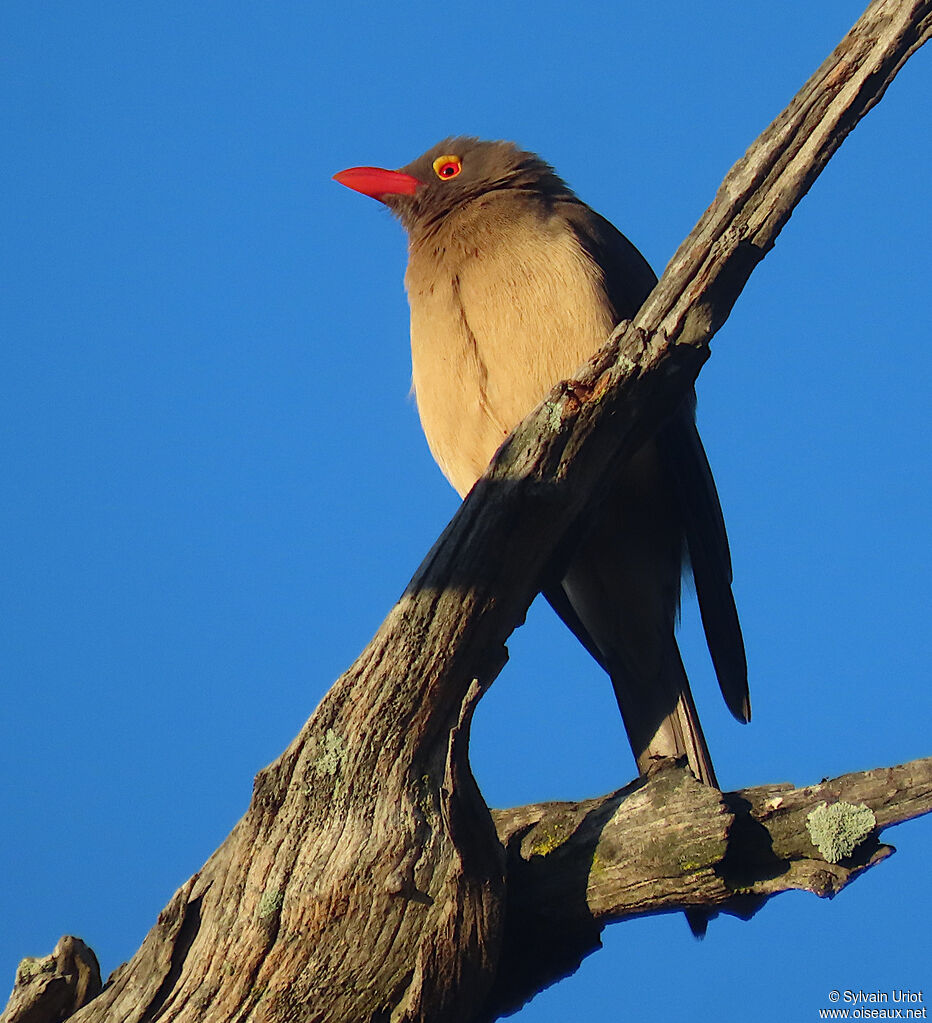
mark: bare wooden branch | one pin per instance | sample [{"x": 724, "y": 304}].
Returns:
[
  {"x": 668, "y": 843},
  {"x": 53, "y": 988},
  {"x": 367, "y": 881},
  {"x": 659, "y": 844}
]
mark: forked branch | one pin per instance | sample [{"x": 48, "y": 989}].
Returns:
[
  {"x": 667, "y": 842},
  {"x": 367, "y": 880}
]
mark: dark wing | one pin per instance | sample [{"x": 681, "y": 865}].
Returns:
[
  {"x": 704, "y": 527},
  {"x": 556, "y": 597},
  {"x": 628, "y": 281}
]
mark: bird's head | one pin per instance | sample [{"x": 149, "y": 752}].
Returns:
[{"x": 450, "y": 175}]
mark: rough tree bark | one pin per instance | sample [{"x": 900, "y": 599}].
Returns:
[{"x": 368, "y": 880}]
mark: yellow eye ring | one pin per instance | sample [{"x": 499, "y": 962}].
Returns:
[{"x": 446, "y": 167}]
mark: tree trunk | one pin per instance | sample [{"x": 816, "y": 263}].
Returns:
[{"x": 367, "y": 880}]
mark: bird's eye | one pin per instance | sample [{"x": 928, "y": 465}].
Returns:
[{"x": 447, "y": 166}]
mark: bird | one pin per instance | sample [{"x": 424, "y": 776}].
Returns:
[{"x": 513, "y": 282}]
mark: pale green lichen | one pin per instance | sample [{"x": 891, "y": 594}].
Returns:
[
  {"x": 704, "y": 856},
  {"x": 545, "y": 840},
  {"x": 837, "y": 830},
  {"x": 554, "y": 415},
  {"x": 626, "y": 365},
  {"x": 271, "y": 902},
  {"x": 28, "y": 968},
  {"x": 330, "y": 759}
]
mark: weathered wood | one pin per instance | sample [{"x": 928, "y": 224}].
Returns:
[
  {"x": 366, "y": 881},
  {"x": 52, "y": 989},
  {"x": 666, "y": 843},
  {"x": 661, "y": 843}
]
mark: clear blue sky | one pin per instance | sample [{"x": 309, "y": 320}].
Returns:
[{"x": 215, "y": 487}]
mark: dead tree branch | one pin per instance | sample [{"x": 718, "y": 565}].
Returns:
[
  {"x": 667, "y": 843},
  {"x": 367, "y": 881}
]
